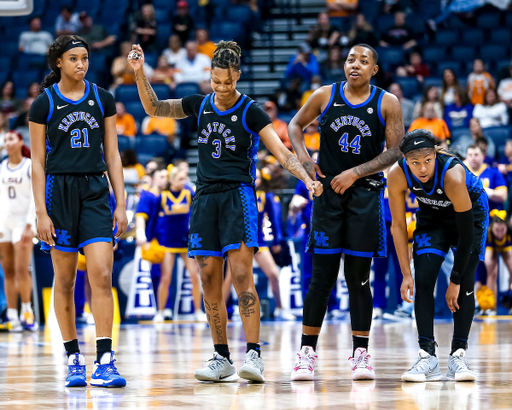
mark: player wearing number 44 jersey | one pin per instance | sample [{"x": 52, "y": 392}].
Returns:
[
  {"x": 357, "y": 120},
  {"x": 224, "y": 215},
  {"x": 74, "y": 142}
]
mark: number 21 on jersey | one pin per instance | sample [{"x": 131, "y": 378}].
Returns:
[
  {"x": 355, "y": 144},
  {"x": 75, "y": 139}
]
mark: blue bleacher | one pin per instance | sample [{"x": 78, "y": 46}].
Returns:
[
  {"x": 162, "y": 37},
  {"x": 136, "y": 109},
  {"x": 443, "y": 65},
  {"x": 501, "y": 36},
  {"x": 152, "y": 144},
  {"x": 125, "y": 142},
  {"x": 492, "y": 52},
  {"x": 430, "y": 81},
  {"x": 23, "y": 78},
  {"x": 239, "y": 14},
  {"x": 489, "y": 20},
  {"x": 31, "y": 61},
  {"x": 184, "y": 89},
  {"x": 127, "y": 93},
  {"x": 434, "y": 54},
  {"x": 410, "y": 86},
  {"x": 499, "y": 135},
  {"x": 473, "y": 37},
  {"x": 163, "y": 92},
  {"x": 447, "y": 37},
  {"x": 390, "y": 57},
  {"x": 463, "y": 53}
]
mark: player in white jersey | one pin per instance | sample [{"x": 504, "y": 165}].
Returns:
[{"x": 17, "y": 229}]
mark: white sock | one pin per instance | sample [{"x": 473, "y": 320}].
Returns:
[
  {"x": 12, "y": 315},
  {"x": 26, "y": 307}
]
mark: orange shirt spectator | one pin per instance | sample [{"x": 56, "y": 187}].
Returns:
[
  {"x": 125, "y": 123},
  {"x": 430, "y": 122},
  {"x": 312, "y": 137},
  {"x": 159, "y": 125},
  {"x": 204, "y": 45},
  {"x": 479, "y": 81},
  {"x": 279, "y": 125},
  {"x": 342, "y": 8}
]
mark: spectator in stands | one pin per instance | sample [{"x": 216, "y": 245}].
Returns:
[
  {"x": 312, "y": 137},
  {"x": 399, "y": 35},
  {"x": 194, "y": 68},
  {"x": 332, "y": 70},
  {"x": 288, "y": 98},
  {"x": 479, "y": 81},
  {"x": 132, "y": 170},
  {"x": 475, "y": 132},
  {"x": 460, "y": 112},
  {"x": 316, "y": 83},
  {"x": 303, "y": 64},
  {"x": 35, "y": 41},
  {"x": 33, "y": 90},
  {"x": 182, "y": 22},
  {"x": 164, "y": 73},
  {"x": 449, "y": 82},
  {"x": 505, "y": 164},
  {"x": 407, "y": 105},
  {"x": 342, "y": 8},
  {"x": 204, "y": 44},
  {"x": 175, "y": 52},
  {"x": 125, "y": 123},
  {"x": 160, "y": 125},
  {"x": 21, "y": 122},
  {"x": 323, "y": 35},
  {"x": 430, "y": 94},
  {"x": 146, "y": 28},
  {"x": 4, "y": 129},
  {"x": 483, "y": 144},
  {"x": 9, "y": 104},
  {"x": 392, "y": 6},
  {"x": 122, "y": 71},
  {"x": 492, "y": 113},
  {"x": 429, "y": 121},
  {"x": 415, "y": 68},
  {"x": 67, "y": 22},
  {"x": 505, "y": 89},
  {"x": 95, "y": 34},
  {"x": 280, "y": 126},
  {"x": 362, "y": 33}
]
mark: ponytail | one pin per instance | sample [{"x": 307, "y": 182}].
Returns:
[{"x": 25, "y": 151}]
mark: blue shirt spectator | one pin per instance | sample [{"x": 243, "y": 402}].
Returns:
[
  {"x": 67, "y": 22},
  {"x": 304, "y": 64}
]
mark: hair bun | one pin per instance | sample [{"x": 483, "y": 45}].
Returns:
[{"x": 228, "y": 45}]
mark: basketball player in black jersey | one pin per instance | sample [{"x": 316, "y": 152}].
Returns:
[
  {"x": 357, "y": 120},
  {"x": 454, "y": 213},
  {"x": 224, "y": 215},
  {"x": 74, "y": 142}
]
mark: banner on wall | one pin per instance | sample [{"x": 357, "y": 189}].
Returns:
[
  {"x": 184, "y": 302},
  {"x": 141, "y": 299}
]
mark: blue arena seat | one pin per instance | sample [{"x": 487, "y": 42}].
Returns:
[
  {"x": 443, "y": 65},
  {"x": 5, "y": 64},
  {"x": 433, "y": 54},
  {"x": 501, "y": 36},
  {"x": 472, "y": 37},
  {"x": 184, "y": 89},
  {"x": 151, "y": 59},
  {"x": 31, "y": 61},
  {"x": 127, "y": 93},
  {"x": 162, "y": 91},
  {"x": 499, "y": 135},
  {"x": 384, "y": 22},
  {"x": 492, "y": 52},
  {"x": 430, "y": 81},
  {"x": 239, "y": 14},
  {"x": 447, "y": 37},
  {"x": 409, "y": 86},
  {"x": 416, "y": 22},
  {"x": 226, "y": 31},
  {"x": 390, "y": 57},
  {"x": 463, "y": 53},
  {"x": 151, "y": 144},
  {"x": 164, "y": 4},
  {"x": 125, "y": 142},
  {"x": 136, "y": 109},
  {"x": 9, "y": 48},
  {"x": 488, "y": 20},
  {"x": 144, "y": 158},
  {"x": 4, "y": 75},
  {"x": 23, "y": 78},
  {"x": 162, "y": 16},
  {"x": 162, "y": 37}
]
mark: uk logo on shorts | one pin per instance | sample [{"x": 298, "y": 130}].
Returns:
[
  {"x": 423, "y": 240},
  {"x": 62, "y": 237},
  {"x": 321, "y": 239},
  {"x": 195, "y": 241}
]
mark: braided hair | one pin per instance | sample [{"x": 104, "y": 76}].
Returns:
[
  {"x": 55, "y": 51},
  {"x": 227, "y": 55}
]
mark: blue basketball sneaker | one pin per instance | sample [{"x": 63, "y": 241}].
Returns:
[
  {"x": 105, "y": 374},
  {"x": 76, "y": 375}
]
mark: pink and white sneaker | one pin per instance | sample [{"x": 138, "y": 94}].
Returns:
[
  {"x": 360, "y": 363},
  {"x": 305, "y": 366}
]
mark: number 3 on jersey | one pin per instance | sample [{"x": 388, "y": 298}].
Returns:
[
  {"x": 75, "y": 137},
  {"x": 355, "y": 144}
]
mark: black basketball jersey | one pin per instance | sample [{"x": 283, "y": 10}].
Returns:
[
  {"x": 431, "y": 196},
  {"x": 350, "y": 135},
  {"x": 74, "y": 132},
  {"x": 227, "y": 147}
]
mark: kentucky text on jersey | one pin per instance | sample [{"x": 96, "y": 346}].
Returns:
[
  {"x": 78, "y": 116},
  {"x": 353, "y": 121},
  {"x": 218, "y": 128}
]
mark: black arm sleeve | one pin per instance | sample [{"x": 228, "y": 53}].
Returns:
[
  {"x": 465, "y": 223},
  {"x": 257, "y": 118},
  {"x": 39, "y": 109},
  {"x": 192, "y": 104},
  {"x": 108, "y": 102}
]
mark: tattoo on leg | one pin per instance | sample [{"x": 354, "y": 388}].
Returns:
[
  {"x": 217, "y": 323},
  {"x": 208, "y": 309},
  {"x": 246, "y": 302},
  {"x": 201, "y": 261}
]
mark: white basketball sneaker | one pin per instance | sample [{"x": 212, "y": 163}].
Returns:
[
  {"x": 426, "y": 369},
  {"x": 458, "y": 368},
  {"x": 304, "y": 368},
  {"x": 360, "y": 363},
  {"x": 252, "y": 369},
  {"x": 219, "y": 370}
]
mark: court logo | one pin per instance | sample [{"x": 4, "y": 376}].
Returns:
[
  {"x": 62, "y": 237},
  {"x": 321, "y": 239},
  {"x": 91, "y": 103},
  {"x": 234, "y": 118},
  {"x": 369, "y": 110}
]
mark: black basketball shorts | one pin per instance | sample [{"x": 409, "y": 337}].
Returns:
[
  {"x": 352, "y": 223},
  {"x": 221, "y": 221},
  {"x": 80, "y": 210}
]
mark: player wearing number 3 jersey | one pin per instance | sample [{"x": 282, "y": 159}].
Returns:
[{"x": 357, "y": 120}]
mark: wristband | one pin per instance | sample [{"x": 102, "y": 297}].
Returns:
[{"x": 455, "y": 277}]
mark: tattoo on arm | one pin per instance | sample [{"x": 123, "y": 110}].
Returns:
[
  {"x": 309, "y": 167},
  {"x": 201, "y": 261},
  {"x": 379, "y": 163},
  {"x": 293, "y": 165},
  {"x": 247, "y": 302}
]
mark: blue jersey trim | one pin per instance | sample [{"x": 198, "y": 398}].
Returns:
[
  {"x": 86, "y": 94},
  {"x": 95, "y": 88},
  {"x": 94, "y": 240},
  {"x": 333, "y": 91},
  {"x": 48, "y": 194},
  {"x": 219, "y": 112},
  {"x": 374, "y": 90},
  {"x": 435, "y": 182},
  {"x": 204, "y": 253},
  {"x": 357, "y": 253},
  {"x": 50, "y": 98},
  {"x": 201, "y": 109},
  {"x": 379, "y": 108},
  {"x": 327, "y": 251},
  {"x": 431, "y": 250},
  {"x": 231, "y": 247},
  {"x": 406, "y": 172},
  {"x": 444, "y": 171},
  {"x": 64, "y": 249},
  {"x": 252, "y": 152}
]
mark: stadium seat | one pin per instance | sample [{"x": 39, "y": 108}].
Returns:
[
  {"x": 226, "y": 31},
  {"x": 508, "y": 19},
  {"x": 390, "y": 57},
  {"x": 492, "y": 52},
  {"x": 488, "y": 20},
  {"x": 5, "y": 63},
  {"x": 443, "y": 65},
  {"x": 499, "y": 135},
  {"x": 162, "y": 37},
  {"x": 136, "y": 109},
  {"x": 416, "y": 22},
  {"x": 430, "y": 81},
  {"x": 458, "y": 132},
  {"x": 31, "y": 61},
  {"x": 241, "y": 14},
  {"x": 164, "y": 4},
  {"x": 463, "y": 53},
  {"x": 501, "y": 36},
  {"x": 473, "y": 37},
  {"x": 92, "y": 77},
  {"x": 9, "y": 48},
  {"x": 127, "y": 93},
  {"x": 143, "y": 159},
  {"x": 433, "y": 54},
  {"x": 409, "y": 86},
  {"x": 384, "y": 22},
  {"x": 125, "y": 142},
  {"x": 447, "y": 37},
  {"x": 4, "y": 75},
  {"x": 98, "y": 60},
  {"x": 184, "y": 89},
  {"x": 151, "y": 144},
  {"x": 162, "y": 91},
  {"x": 23, "y": 78},
  {"x": 151, "y": 59},
  {"x": 162, "y": 16}
]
